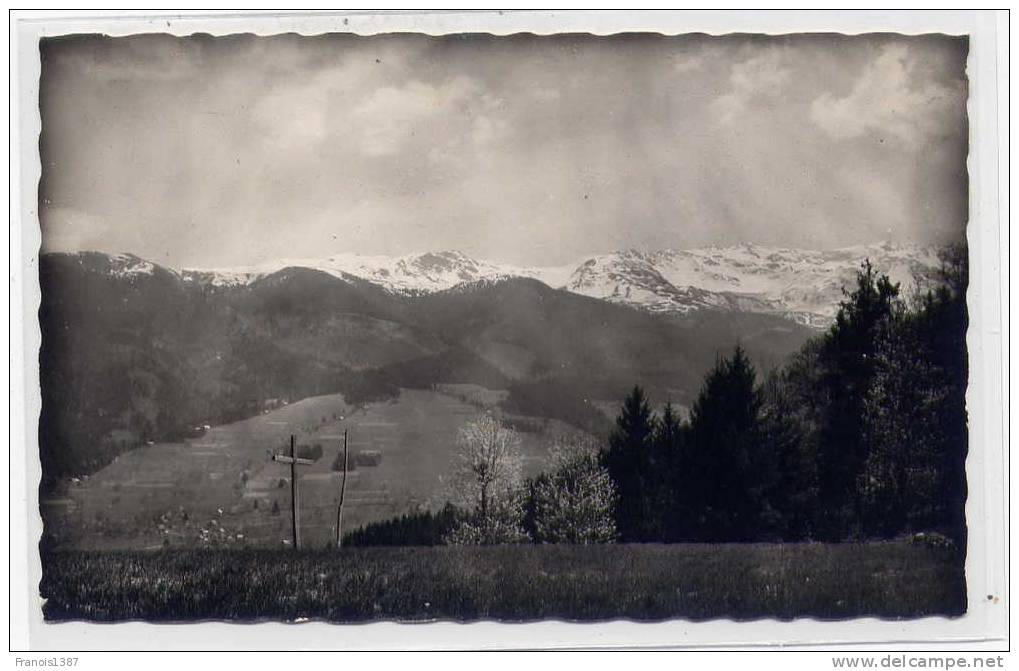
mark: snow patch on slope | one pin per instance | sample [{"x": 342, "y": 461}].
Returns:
[
  {"x": 128, "y": 265},
  {"x": 802, "y": 285},
  {"x": 409, "y": 274}
]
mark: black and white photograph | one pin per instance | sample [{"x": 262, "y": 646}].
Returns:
[{"x": 406, "y": 327}]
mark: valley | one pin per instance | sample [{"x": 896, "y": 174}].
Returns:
[
  {"x": 133, "y": 353},
  {"x": 138, "y": 358},
  {"x": 223, "y": 489}
]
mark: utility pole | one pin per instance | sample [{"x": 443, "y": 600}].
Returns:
[
  {"x": 343, "y": 489},
  {"x": 294, "y": 462}
]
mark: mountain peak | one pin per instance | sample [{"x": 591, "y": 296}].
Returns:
[
  {"x": 120, "y": 264},
  {"x": 445, "y": 261},
  {"x": 803, "y": 285}
]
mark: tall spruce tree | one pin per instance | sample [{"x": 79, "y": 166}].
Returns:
[
  {"x": 723, "y": 458},
  {"x": 848, "y": 359},
  {"x": 629, "y": 464},
  {"x": 788, "y": 470},
  {"x": 946, "y": 320},
  {"x": 915, "y": 415},
  {"x": 672, "y": 489}
]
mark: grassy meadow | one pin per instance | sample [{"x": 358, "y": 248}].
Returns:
[
  {"x": 895, "y": 579},
  {"x": 221, "y": 488}
]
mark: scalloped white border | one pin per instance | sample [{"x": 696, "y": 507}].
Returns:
[{"x": 983, "y": 627}]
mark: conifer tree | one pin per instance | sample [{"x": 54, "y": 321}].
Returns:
[
  {"x": 671, "y": 491},
  {"x": 628, "y": 461},
  {"x": 788, "y": 468},
  {"x": 723, "y": 462},
  {"x": 848, "y": 364},
  {"x": 915, "y": 415}
]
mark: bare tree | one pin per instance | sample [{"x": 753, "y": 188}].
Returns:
[{"x": 486, "y": 481}]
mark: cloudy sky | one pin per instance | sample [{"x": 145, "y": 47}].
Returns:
[{"x": 208, "y": 151}]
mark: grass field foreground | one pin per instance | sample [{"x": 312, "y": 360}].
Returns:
[{"x": 526, "y": 582}]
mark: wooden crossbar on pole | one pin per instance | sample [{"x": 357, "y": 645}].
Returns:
[{"x": 294, "y": 462}]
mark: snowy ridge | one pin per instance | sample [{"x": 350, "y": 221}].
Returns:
[
  {"x": 117, "y": 265},
  {"x": 802, "y": 285},
  {"x": 409, "y": 274},
  {"x": 128, "y": 264}
]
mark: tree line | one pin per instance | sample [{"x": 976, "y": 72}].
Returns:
[
  {"x": 862, "y": 434},
  {"x": 490, "y": 502}
]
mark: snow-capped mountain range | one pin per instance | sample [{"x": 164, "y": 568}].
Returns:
[
  {"x": 802, "y": 285},
  {"x": 409, "y": 274}
]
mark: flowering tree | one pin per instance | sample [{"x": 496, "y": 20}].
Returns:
[
  {"x": 486, "y": 481},
  {"x": 503, "y": 524},
  {"x": 575, "y": 502}
]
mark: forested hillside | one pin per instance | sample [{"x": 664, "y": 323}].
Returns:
[
  {"x": 861, "y": 434},
  {"x": 133, "y": 352}
]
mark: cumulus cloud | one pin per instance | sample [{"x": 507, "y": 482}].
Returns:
[
  {"x": 390, "y": 116},
  {"x": 887, "y": 98},
  {"x": 760, "y": 78},
  {"x": 526, "y": 149},
  {"x": 302, "y": 111},
  {"x": 342, "y": 106}
]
